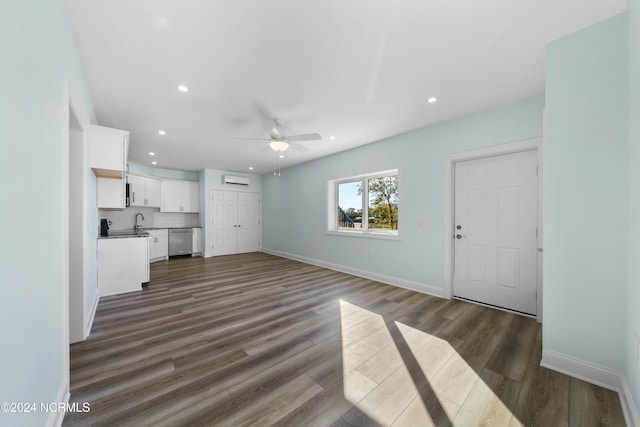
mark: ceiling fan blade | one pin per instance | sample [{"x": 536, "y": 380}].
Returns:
[
  {"x": 299, "y": 148},
  {"x": 251, "y": 138},
  {"x": 275, "y": 134},
  {"x": 304, "y": 137}
]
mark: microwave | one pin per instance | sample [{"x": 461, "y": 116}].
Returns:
[{"x": 126, "y": 196}]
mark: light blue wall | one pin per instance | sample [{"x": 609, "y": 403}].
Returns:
[
  {"x": 38, "y": 54},
  {"x": 294, "y": 204},
  {"x": 586, "y": 191},
  {"x": 139, "y": 169},
  {"x": 633, "y": 281},
  {"x": 211, "y": 179}
]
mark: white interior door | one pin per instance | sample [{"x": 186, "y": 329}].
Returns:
[
  {"x": 224, "y": 221},
  {"x": 248, "y": 222},
  {"x": 236, "y": 222},
  {"x": 496, "y": 231}
]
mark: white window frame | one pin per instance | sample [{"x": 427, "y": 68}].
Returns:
[{"x": 332, "y": 207}]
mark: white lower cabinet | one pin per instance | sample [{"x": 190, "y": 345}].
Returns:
[
  {"x": 197, "y": 241},
  {"x": 123, "y": 265},
  {"x": 158, "y": 245}
]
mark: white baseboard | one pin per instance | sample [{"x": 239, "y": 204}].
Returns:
[
  {"x": 56, "y": 417},
  {"x": 595, "y": 374},
  {"x": 92, "y": 315},
  {"x": 389, "y": 280}
]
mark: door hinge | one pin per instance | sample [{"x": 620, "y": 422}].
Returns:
[{"x": 536, "y": 232}]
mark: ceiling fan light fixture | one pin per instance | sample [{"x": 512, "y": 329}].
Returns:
[{"x": 279, "y": 145}]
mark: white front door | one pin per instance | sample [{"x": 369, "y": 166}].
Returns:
[
  {"x": 496, "y": 231},
  {"x": 224, "y": 222}
]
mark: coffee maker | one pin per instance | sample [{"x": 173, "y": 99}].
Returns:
[{"x": 104, "y": 227}]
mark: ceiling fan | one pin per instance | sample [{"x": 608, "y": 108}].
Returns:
[{"x": 279, "y": 142}]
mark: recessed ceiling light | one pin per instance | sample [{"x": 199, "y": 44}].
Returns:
[
  {"x": 332, "y": 137},
  {"x": 161, "y": 132},
  {"x": 154, "y": 163},
  {"x": 151, "y": 153},
  {"x": 432, "y": 100},
  {"x": 183, "y": 88},
  {"x": 250, "y": 168},
  {"x": 282, "y": 156}
]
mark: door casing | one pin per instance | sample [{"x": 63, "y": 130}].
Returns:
[{"x": 449, "y": 197}]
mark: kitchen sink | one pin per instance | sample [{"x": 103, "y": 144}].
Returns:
[{"x": 128, "y": 233}]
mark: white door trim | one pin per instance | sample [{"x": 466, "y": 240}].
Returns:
[
  {"x": 449, "y": 170},
  {"x": 70, "y": 108}
]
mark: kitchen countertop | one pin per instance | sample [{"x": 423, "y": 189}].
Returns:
[
  {"x": 124, "y": 234},
  {"x": 168, "y": 228}
]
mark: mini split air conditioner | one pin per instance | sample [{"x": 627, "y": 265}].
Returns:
[{"x": 237, "y": 180}]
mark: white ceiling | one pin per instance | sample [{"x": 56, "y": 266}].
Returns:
[{"x": 360, "y": 70}]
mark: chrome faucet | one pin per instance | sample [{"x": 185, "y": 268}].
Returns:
[{"x": 137, "y": 227}]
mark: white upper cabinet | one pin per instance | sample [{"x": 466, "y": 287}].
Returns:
[
  {"x": 110, "y": 193},
  {"x": 171, "y": 196},
  {"x": 108, "y": 151},
  {"x": 180, "y": 196},
  {"x": 154, "y": 196},
  {"x": 191, "y": 196},
  {"x": 144, "y": 191}
]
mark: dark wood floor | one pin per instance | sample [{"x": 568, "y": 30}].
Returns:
[{"x": 255, "y": 339}]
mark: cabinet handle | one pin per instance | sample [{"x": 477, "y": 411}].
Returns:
[{"x": 134, "y": 196}]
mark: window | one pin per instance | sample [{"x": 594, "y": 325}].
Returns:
[{"x": 366, "y": 204}]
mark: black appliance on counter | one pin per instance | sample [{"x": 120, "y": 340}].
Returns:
[{"x": 104, "y": 227}]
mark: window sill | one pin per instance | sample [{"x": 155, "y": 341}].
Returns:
[{"x": 367, "y": 234}]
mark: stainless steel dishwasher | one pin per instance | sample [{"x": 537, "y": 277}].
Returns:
[{"x": 180, "y": 241}]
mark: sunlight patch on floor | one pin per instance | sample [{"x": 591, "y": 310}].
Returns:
[{"x": 428, "y": 384}]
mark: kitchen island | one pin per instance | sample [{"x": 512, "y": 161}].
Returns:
[{"x": 123, "y": 262}]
